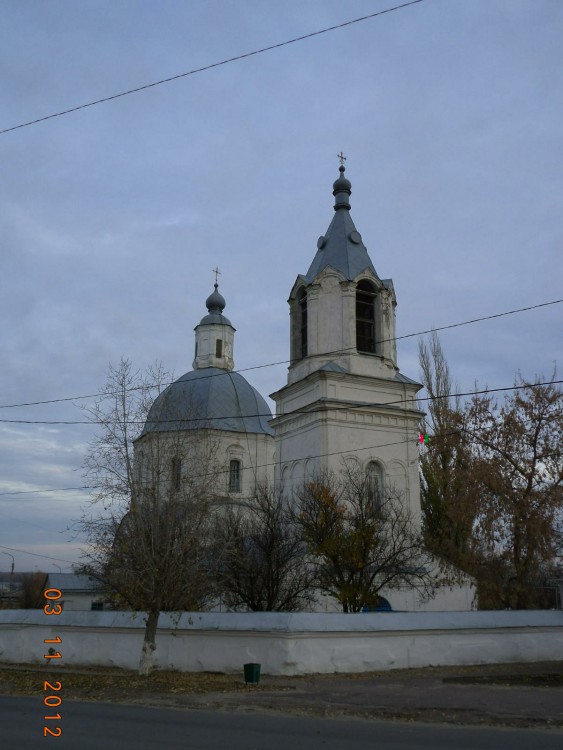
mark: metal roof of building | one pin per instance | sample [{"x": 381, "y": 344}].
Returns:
[
  {"x": 333, "y": 367},
  {"x": 404, "y": 379},
  {"x": 339, "y": 251},
  {"x": 215, "y": 318},
  {"x": 209, "y": 398},
  {"x": 341, "y": 247},
  {"x": 72, "y": 582}
]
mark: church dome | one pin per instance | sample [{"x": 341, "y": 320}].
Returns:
[
  {"x": 342, "y": 183},
  {"x": 215, "y": 303},
  {"x": 213, "y": 398}
]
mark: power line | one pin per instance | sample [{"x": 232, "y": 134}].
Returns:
[
  {"x": 321, "y": 455},
  {"x": 296, "y": 411},
  {"x": 209, "y": 67},
  {"x": 36, "y": 554},
  {"x": 472, "y": 433},
  {"x": 40, "y": 492},
  {"x": 222, "y": 471},
  {"x": 478, "y": 320},
  {"x": 285, "y": 361}
]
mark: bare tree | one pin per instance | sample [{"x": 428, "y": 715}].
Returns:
[
  {"x": 32, "y": 588},
  {"x": 120, "y": 415},
  {"x": 360, "y": 542},
  {"x": 261, "y": 557},
  {"x": 150, "y": 543},
  {"x": 518, "y": 466}
]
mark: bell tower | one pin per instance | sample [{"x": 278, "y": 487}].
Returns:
[
  {"x": 345, "y": 398},
  {"x": 340, "y": 310}
]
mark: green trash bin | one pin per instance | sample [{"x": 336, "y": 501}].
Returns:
[{"x": 252, "y": 674}]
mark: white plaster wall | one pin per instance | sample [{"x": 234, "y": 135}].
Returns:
[
  {"x": 455, "y": 598},
  {"x": 73, "y": 601},
  {"x": 300, "y": 643},
  {"x": 388, "y": 435},
  {"x": 211, "y": 457}
]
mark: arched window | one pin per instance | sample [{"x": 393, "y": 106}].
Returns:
[
  {"x": 235, "y": 475},
  {"x": 365, "y": 317},
  {"x": 375, "y": 485},
  {"x": 302, "y": 300}
]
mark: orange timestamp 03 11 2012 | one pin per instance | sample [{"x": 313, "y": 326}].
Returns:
[{"x": 52, "y": 699}]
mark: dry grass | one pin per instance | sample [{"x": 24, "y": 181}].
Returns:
[
  {"x": 122, "y": 685},
  {"x": 119, "y": 684}
]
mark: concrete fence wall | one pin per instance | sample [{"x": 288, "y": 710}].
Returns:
[{"x": 285, "y": 644}]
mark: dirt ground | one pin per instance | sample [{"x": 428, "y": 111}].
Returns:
[{"x": 503, "y": 694}]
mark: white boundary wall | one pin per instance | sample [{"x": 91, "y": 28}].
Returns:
[{"x": 286, "y": 644}]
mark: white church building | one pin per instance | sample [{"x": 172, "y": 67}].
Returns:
[{"x": 345, "y": 398}]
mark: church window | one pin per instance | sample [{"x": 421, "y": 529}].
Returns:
[
  {"x": 365, "y": 317},
  {"x": 375, "y": 485},
  {"x": 302, "y": 299},
  {"x": 235, "y": 475},
  {"x": 175, "y": 474},
  {"x": 218, "y": 348}
]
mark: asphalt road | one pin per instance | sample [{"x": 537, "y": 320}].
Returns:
[{"x": 95, "y": 726}]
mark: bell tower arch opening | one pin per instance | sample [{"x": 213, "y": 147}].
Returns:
[
  {"x": 299, "y": 325},
  {"x": 365, "y": 317}
]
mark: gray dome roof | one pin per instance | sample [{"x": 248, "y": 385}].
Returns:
[
  {"x": 215, "y": 318},
  {"x": 215, "y": 302},
  {"x": 209, "y": 397}
]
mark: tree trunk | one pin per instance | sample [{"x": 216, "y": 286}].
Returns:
[{"x": 149, "y": 644}]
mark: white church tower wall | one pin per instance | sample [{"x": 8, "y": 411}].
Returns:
[{"x": 345, "y": 398}]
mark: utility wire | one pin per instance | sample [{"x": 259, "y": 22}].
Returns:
[
  {"x": 60, "y": 559},
  {"x": 36, "y": 554},
  {"x": 267, "y": 465},
  {"x": 39, "y": 492},
  {"x": 321, "y": 455},
  {"x": 208, "y": 67},
  {"x": 335, "y": 407},
  {"x": 284, "y": 361},
  {"x": 221, "y": 471}
]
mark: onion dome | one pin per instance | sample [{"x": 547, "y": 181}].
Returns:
[
  {"x": 342, "y": 189},
  {"x": 215, "y": 303}
]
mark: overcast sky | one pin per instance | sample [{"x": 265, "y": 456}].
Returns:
[{"x": 450, "y": 115}]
